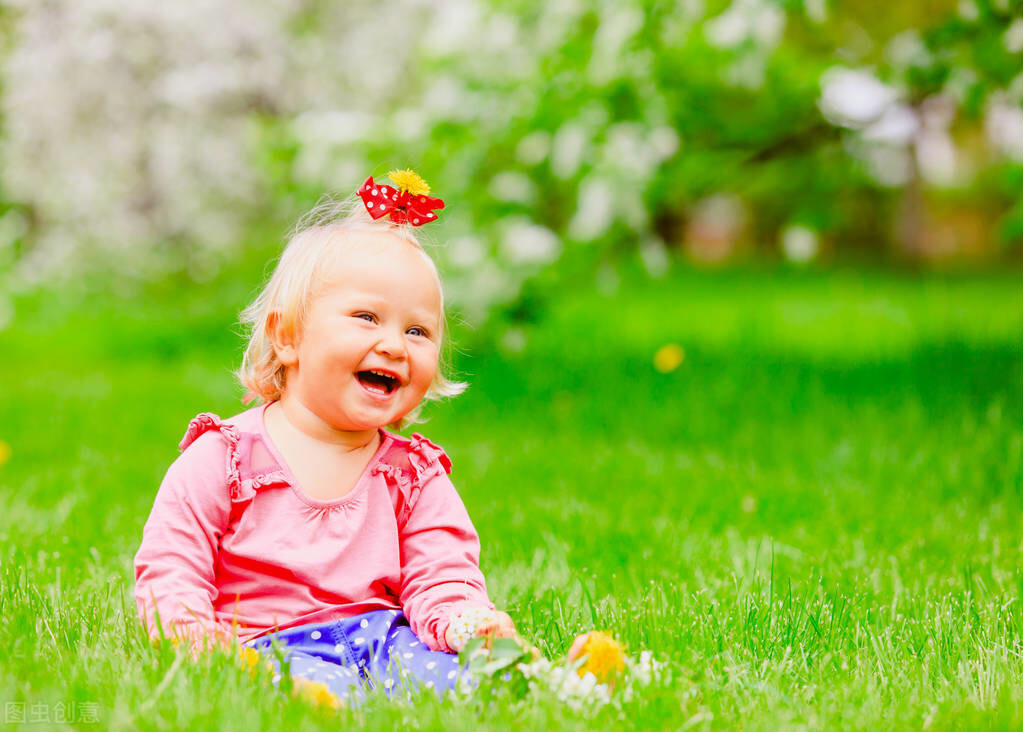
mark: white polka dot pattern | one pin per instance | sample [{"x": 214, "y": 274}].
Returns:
[
  {"x": 374, "y": 650},
  {"x": 400, "y": 205}
]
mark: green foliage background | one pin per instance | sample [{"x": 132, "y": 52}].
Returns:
[{"x": 747, "y": 118}]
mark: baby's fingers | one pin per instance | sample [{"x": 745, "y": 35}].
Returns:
[
  {"x": 500, "y": 627},
  {"x": 577, "y": 647}
]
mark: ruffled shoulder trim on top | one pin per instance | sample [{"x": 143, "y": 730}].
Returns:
[
  {"x": 204, "y": 423},
  {"x": 408, "y": 465},
  {"x": 242, "y": 482},
  {"x": 427, "y": 457}
]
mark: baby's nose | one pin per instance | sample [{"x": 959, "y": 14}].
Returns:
[{"x": 391, "y": 343}]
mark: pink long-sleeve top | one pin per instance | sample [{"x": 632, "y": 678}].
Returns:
[{"x": 233, "y": 545}]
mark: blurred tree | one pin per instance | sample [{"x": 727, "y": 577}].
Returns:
[
  {"x": 565, "y": 131},
  {"x": 123, "y": 130},
  {"x": 945, "y": 128}
]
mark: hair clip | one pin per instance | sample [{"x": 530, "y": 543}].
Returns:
[{"x": 408, "y": 204}]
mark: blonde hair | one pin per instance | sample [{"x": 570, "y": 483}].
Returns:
[{"x": 290, "y": 289}]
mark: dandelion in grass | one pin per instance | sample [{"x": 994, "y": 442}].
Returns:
[
  {"x": 5, "y": 452},
  {"x": 316, "y": 693},
  {"x": 602, "y": 656},
  {"x": 596, "y": 671},
  {"x": 251, "y": 660},
  {"x": 249, "y": 657},
  {"x": 669, "y": 357}
]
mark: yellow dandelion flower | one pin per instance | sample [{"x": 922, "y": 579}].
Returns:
[
  {"x": 669, "y": 357},
  {"x": 409, "y": 180},
  {"x": 605, "y": 657},
  {"x": 5, "y": 452},
  {"x": 317, "y": 693},
  {"x": 250, "y": 658}
]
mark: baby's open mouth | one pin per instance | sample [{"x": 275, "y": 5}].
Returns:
[{"x": 377, "y": 381}]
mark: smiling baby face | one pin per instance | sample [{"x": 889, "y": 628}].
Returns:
[{"x": 368, "y": 348}]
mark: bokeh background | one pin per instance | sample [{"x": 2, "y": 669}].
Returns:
[
  {"x": 737, "y": 286},
  {"x": 147, "y": 139}
]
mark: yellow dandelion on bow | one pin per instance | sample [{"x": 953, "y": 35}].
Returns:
[
  {"x": 605, "y": 657},
  {"x": 409, "y": 180}
]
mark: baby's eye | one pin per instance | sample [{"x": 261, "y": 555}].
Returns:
[
  {"x": 417, "y": 331},
  {"x": 365, "y": 316}
]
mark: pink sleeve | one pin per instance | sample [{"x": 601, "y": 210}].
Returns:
[
  {"x": 174, "y": 566},
  {"x": 440, "y": 553}
]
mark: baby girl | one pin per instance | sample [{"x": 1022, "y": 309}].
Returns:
[{"x": 303, "y": 521}]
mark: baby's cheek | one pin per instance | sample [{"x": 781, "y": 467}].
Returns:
[{"x": 429, "y": 361}]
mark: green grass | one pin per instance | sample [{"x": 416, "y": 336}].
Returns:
[{"x": 814, "y": 520}]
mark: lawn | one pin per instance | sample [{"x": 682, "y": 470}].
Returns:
[{"x": 813, "y": 520}]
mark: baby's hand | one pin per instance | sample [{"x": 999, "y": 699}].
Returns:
[
  {"x": 502, "y": 626},
  {"x": 499, "y": 626},
  {"x": 577, "y": 647},
  {"x": 478, "y": 622}
]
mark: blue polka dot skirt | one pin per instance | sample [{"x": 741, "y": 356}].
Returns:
[{"x": 375, "y": 650}]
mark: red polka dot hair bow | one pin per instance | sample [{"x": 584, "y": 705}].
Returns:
[{"x": 409, "y": 204}]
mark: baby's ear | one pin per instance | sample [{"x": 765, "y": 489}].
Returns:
[{"x": 282, "y": 337}]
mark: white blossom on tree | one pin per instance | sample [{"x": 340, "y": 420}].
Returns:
[{"x": 126, "y": 126}]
